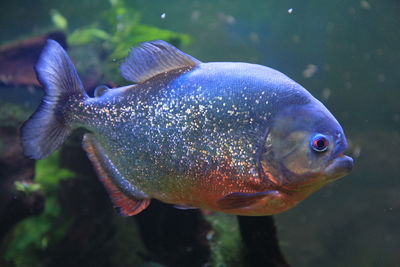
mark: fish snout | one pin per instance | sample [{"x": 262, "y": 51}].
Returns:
[{"x": 339, "y": 167}]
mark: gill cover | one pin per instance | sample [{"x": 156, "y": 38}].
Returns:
[{"x": 300, "y": 144}]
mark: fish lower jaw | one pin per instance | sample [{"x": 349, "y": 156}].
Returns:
[{"x": 339, "y": 167}]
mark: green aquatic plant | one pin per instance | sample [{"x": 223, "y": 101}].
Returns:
[
  {"x": 117, "y": 30},
  {"x": 36, "y": 233},
  {"x": 225, "y": 240},
  {"x": 25, "y": 187},
  {"x": 12, "y": 115},
  {"x": 127, "y": 30},
  {"x": 88, "y": 34},
  {"x": 58, "y": 19}
]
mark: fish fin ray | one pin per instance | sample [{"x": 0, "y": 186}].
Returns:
[
  {"x": 127, "y": 200},
  {"x": 149, "y": 59},
  {"x": 184, "y": 207},
  {"x": 46, "y": 129},
  {"x": 239, "y": 200}
]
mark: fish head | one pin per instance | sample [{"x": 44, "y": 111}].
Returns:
[{"x": 304, "y": 146}]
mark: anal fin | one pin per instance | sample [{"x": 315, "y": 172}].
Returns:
[{"x": 126, "y": 199}]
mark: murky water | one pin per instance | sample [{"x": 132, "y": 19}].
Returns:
[{"x": 346, "y": 53}]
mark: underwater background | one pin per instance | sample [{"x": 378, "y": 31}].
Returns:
[{"x": 54, "y": 212}]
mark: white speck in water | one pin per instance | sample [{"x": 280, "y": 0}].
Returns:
[
  {"x": 348, "y": 85},
  {"x": 212, "y": 26},
  {"x": 290, "y": 10},
  {"x": 195, "y": 15},
  {"x": 367, "y": 56},
  {"x": 254, "y": 38},
  {"x": 357, "y": 151},
  {"x": 113, "y": 60},
  {"x": 163, "y": 16},
  {"x": 120, "y": 27},
  {"x": 326, "y": 93},
  {"x": 295, "y": 38},
  {"x": 381, "y": 77},
  {"x": 330, "y": 26},
  {"x": 351, "y": 11},
  {"x": 310, "y": 70},
  {"x": 228, "y": 19},
  {"x": 364, "y": 4}
]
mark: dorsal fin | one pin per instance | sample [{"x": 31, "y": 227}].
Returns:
[{"x": 148, "y": 59}]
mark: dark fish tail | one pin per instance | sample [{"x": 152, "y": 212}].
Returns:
[{"x": 49, "y": 126}]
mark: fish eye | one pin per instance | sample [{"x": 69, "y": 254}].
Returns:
[{"x": 319, "y": 143}]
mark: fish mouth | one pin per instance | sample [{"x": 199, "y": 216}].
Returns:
[{"x": 339, "y": 167}]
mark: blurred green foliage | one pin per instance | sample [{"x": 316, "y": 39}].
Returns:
[
  {"x": 37, "y": 233},
  {"x": 58, "y": 20},
  {"x": 117, "y": 30},
  {"x": 86, "y": 35},
  {"x": 25, "y": 187},
  {"x": 12, "y": 115},
  {"x": 225, "y": 240}
]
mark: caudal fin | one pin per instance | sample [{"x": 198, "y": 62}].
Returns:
[{"x": 48, "y": 127}]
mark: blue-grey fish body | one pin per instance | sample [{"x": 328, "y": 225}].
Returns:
[{"x": 233, "y": 137}]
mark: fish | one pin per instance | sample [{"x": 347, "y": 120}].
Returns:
[{"x": 231, "y": 137}]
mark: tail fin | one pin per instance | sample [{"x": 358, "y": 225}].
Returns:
[{"x": 48, "y": 128}]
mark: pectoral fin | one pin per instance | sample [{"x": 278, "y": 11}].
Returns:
[
  {"x": 239, "y": 200},
  {"x": 126, "y": 199}
]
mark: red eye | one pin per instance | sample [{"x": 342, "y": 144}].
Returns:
[{"x": 319, "y": 143}]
